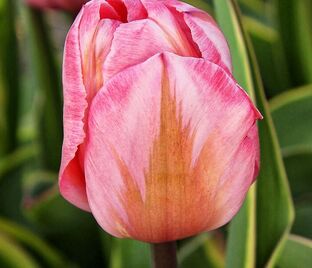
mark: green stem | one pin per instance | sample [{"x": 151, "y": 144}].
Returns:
[{"x": 164, "y": 255}]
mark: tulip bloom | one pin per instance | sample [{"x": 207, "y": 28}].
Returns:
[
  {"x": 160, "y": 141},
  {"x": 69, "y": 5}
]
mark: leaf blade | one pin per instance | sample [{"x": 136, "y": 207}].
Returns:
[
  {"x": 26, "y": 237},
  {"x": 272, "y": 173},
  {"x": 241, "y": 241},
  {"x": 12, "y": 255},
  {"x": 297, "y": 253}
]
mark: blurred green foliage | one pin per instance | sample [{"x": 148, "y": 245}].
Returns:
[{"x": 271, "y": 46}]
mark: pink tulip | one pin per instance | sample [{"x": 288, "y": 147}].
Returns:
[
  {"x": 160, "y": 143},
  {"x": 70, "y": 5}
]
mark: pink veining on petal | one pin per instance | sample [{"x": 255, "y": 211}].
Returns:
[
  {"x": 87, "y": 25},
  {"x": 232, "y": 190},
  {"x": 72, "y": 184},
  {"x": 224, "y": 92},
  {"x": 136, "y": 10},
  {"x": 160, "y": 142},
  {"x": 211, "y": 118},
  {"x": 253, "y": 135},
  {"x": 108, "y": 12},
  {"x": 134, "y": 43},
  {"x": 117, "y": 113},
  {"x": 95, "y": 56},
  {"x": 159, "y": 12},
  {"x": 84, "y": 54},
  {"x": 206, "y": 33},
  {"x": 120, "y": 8},
  {"x": 210, "y": 39}
]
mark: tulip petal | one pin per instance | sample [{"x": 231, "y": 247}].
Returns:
[
  {"x": 173, "y": 26},
  {"x": 162, "y": 135},
  {"x": 78, "y": 66},
  {"x": 91, "y": 15},
  {"x": 120, "y": 8},
  {"x": 209, "y": 39},
  {"x": 134, "y": 43},
  {"x": 136, "y": 10},
  {"x": 192, "y": 28},
  {"x": 232, "y": 190},
  {"x": 71, "y": 178},
  {"x": 206, "y": 34},
  {"x": 96, "y": 54},
  {"x": 130, "y": 85}
]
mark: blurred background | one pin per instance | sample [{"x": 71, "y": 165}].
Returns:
[{"x": 38, "y": 228}]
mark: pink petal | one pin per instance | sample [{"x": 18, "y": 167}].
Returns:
[
  {"x": 95, "y": 55},
  {"x": 120, "y": 8},
  {"x": 89, "y": 21},
  {"x": 136, "y": 10},
  {"x": 71, "y": 178},
  {"x": 210, "y": 39},
  {"x": 108, "y": 12},
  {"x": 81, "y": 80},
  {"x": 205, "y": 33},
  {"x": 232, "y": 190},
  {"x": 134, "y": 43},
  {"x": 160, "y": 142},
  {"x": 170, "y": 24}
]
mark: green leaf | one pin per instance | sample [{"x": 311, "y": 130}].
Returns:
[
  {"x": 230, "y": 24},
  {"x": 255, "y": 5},
  {"x": 303, "y": 221},
  {"x": 296, "y": 253},
  {"x": 11, "y": 167},
  {"x": 272, "y": 63},
  {"x": 48, "y": 82},
  {"x": 12, "y": 158},
  {"x": 201, "y": 251},
  {"x": 299, "y": 172},
  {"x": 256, "y": 9},
  {"x": 13, "y": 256},
  {"x": 295, "y": 18},
  {"x": 291, "y": 112},
  {"x": 17, "y": 159},
  {"x": 274, "y": 204},
  {"x": 11, "y": 195},
  {"x": 32, "y": 241},
  {"x": 274, "y": 211},
  {"x": 127, "y": 253},
  {"x": 9, "y": 77},
  {"x": 107, "y": 241},
  {"x": 202, "y": 4},
  {"x": 192, "y": 253},
  {"x": 56, "y": 218},
  {"x": 241, "y": 240}
]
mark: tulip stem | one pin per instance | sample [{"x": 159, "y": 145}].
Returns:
[{"x": 164, "y": 255}]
